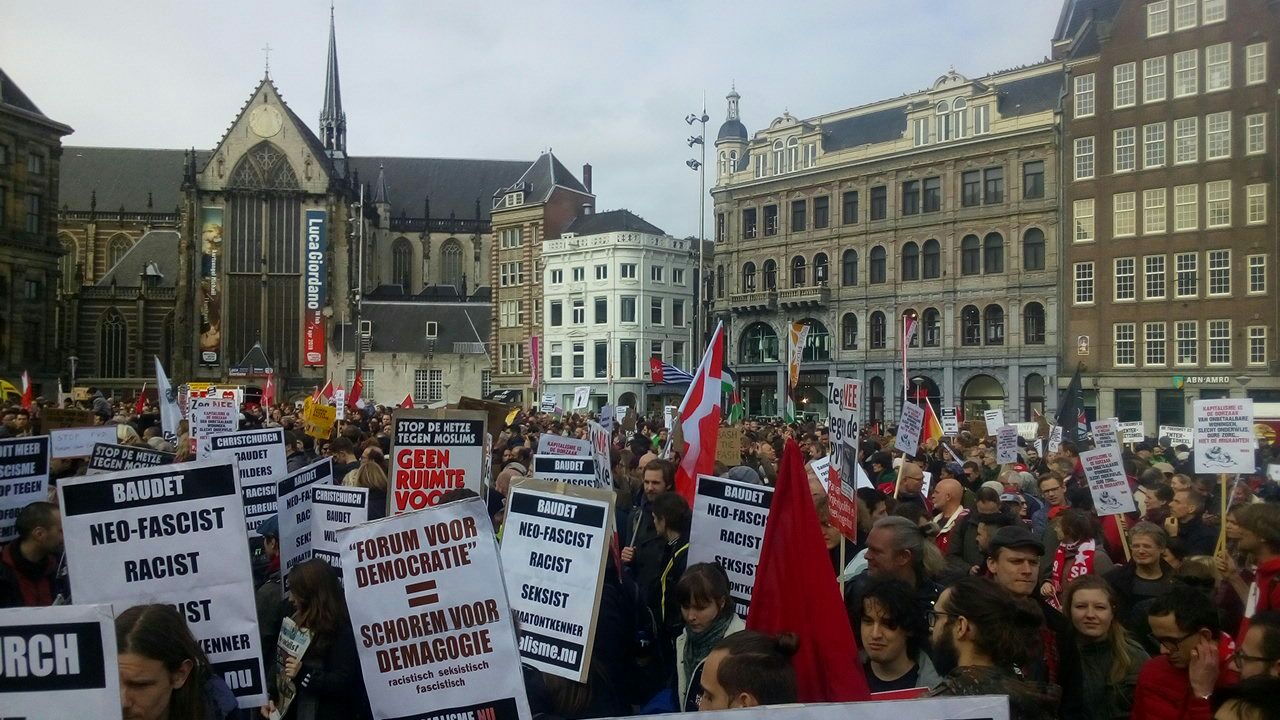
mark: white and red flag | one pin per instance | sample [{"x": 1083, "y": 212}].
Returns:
[
  {"x": 269, "y": 392},
  {"x": 28, "y": 393},
  {"x": 700, "y": 418}
]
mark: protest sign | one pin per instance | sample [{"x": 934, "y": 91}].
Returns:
[
  {"x": 581, "y": 395},
  {"x": 1107, "y": 482},
  {"x": 729, "y": 447},
  {"x": 579, "y": 471},
  {"x": 333, "y": 508},
  {"x": 1006, "y": 444},
  {"x": 212, "y": 416},
  {"x": 172, "y": 534},
  {"x": 1131, "y": 432},
  {"x": 606, "y": 417},
  {"x": 294, "y": 493},
  {"x": 843, "y": 405},
  {"x": 994, "y": 420},
  {"x": 78, "y": 442},
  {"x": 1177, "y": 435},
  {"x": 432, "y": 452},
  {"x": 1027, "y": 430},
  {"x": 822, "y": 470},
  {"x": 549, "y": 444},
  {"x": 498, "y": 415},
  {"x": 261, "y": 461},
  {"x": 1055, "y": 439},
  {"x": 319, "y": 419},
  {"x": 1105, "y": 433},
  {"x": 58, "y": 662},
  {"x": 909, "y": 425},
  {"x": 974, "y": 707},
  {"x": 56, "y": 418},
  {"x": 114, "y": 458},
  {"x": 1273, "y": 472},
  {"x": 669, "y": 416},
  {"x": 430, "y": 615},
  {"x": 24, "y": 479},
  {"x": 620, "y": 413},
  {"x": 548, "y": 404},
  {"x": 1224, "y": 439},
  {"x": 340, "y": 404},
  {"x": 728, "y": 529},
  {"x": 556, "y": 537},
  {"x": 602, "y": 453},
  {"x": 950, "y": 425}
]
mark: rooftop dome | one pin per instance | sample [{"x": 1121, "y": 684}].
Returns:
[{"x": 732, "y": 130}]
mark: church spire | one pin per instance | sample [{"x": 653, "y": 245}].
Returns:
[{"x": 333, "y": 121}]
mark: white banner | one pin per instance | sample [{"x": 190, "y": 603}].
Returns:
[
  {"x": 1006, "y": 444},
  {"x": 909, "y": 426},
  {"x": 78, "y": 442},
  {"x": 1131, "y": 432},
  {"x": 114, "y": 458},
  {"x": 994, "y": 420},
  {"x": 549, "y": 444},
  {"x": 58, "y": 662},
  {"x": 600, "y": 450},
  {"x": 581, "y": 395},
  {"x": 430, "y": 615},
  {"x": 262, "y": 461},
  {"x": 432, "y": 452},
  {"x": 1105, "y": 433},
  {"x": 1224, "y": 439},
  {"x": 334, "y": 508},
  {"x": 1110, "y": 488},
  {"x": 296, "y": 530},
  {"x": 24, "y": 479},
  {"x": 728, "y": 529},
  {"x": 1178, "y": 435},
  {"x": 212, "y": 416},
  {"x": 553, "y": 559},
  {"x": 950, "y": 425},
  {"x": 172, "y": 535}
]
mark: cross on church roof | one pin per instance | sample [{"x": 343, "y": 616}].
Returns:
[{"x": 266, "y": 50}]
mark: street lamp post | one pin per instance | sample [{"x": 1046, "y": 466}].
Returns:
[{"x": 699, "y": 320}]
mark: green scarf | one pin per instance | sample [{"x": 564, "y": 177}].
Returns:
[{"x": 699, "y": 644}]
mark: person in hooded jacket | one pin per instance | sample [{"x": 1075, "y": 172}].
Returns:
[{"x": 710, "y": 614}]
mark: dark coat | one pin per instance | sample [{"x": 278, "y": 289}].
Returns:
[{"x": 330, "y": 683}]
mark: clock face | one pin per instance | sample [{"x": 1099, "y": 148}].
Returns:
[{"x": 265, "y": 121}]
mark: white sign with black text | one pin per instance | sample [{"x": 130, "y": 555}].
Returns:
[
  {"x": 296, "y": 530},
  {"x": 334, "y": 508},
  {"x": 580, "y": 471},
  {"x": 114, "y": 458},
  {"x": 1006, "y": 444},
  {"x": 1178, "y": 435},
  {"x": 24, "y": 479},
  {"x": 909, "y": 425},
  {"x": 78, "y": 442},
  {"x": 213, "y": 416},
  {"x": 950, "y": 424},
  {"x": 994, "y": 420},
  {"x": 1224, "y": 438},
  {"x": 262, "y": 461},
  {"x": 1107, "y": 482},
  {"x": 728, "y": 529},
  {"x": 58, "y": 662},
  {"x": 549, "y": 444}
]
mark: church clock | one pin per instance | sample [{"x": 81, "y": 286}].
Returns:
[{"x": 265, "y": 121}]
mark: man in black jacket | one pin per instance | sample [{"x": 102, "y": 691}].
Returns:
[{"x": 1186, "y": 522}]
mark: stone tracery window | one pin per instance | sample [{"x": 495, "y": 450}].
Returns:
[{"x": 264, "y": 167}]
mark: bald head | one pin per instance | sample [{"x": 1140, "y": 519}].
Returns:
[
  {"x": 912, "y": 480},
  {"x": 947, "y": 495}
]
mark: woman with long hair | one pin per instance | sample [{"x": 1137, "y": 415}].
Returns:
[
  {"x": 327, "y": 676},
  {"x": 1109, "y": 658},
  {"x": 371, "y": 475},
  {"x": 709, "y": 616},
  {"x": 164, "y": 675}
]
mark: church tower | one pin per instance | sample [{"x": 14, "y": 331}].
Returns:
[
  {"x": 731, "y": 141},
  {"x": 333, "y": 121}
]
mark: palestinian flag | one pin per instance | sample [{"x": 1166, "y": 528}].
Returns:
[{"x": 729, "y": 385}]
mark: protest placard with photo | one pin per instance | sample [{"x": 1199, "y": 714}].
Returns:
[
  {"x": 1006, "y": 444},
  {"x": 261, "y": 461},
  {"x": 549, "y": 444},
  {"x": 430, "y": 615},
  {"x": 432, "y": 452},
  {"x": 910, "y": 424},
  {"x": 296, "y": 531},
  {"x": 173, "y": 534},
  {"x": 1224, "y": 437},
  {"x": 844, "y": 407},
  {"x": 333, "y": 508},
  {"x": 292, "y": 642},
  {"x": 580, "y": 471},
  {"x": 24, "y": 479},
  {"x": 1104, "y": 471},
  {"x": 1055, "y": 438},
  {"x": 601, "y": 452},
  {"x": 58, "y": 662},
  {"x": 114, "y": 458},
  {"x": 581, "y": 396},
  {"x": 556, "y": 537},
  {"x": 728, "y": 529},
  {"x": 212, "y": 416},
  {"x": 78, "y": 442}
]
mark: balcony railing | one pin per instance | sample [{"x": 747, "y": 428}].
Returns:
[
  {"x": 809, "y": 296},
  {"x": 755, "y": 301}
]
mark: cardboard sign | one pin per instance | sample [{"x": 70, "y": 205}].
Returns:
[
  {"x": 1224, "y": 438},
  {"x": 729, "y": 447},
  {"x": 994, "y": 420},
  {"x": 114, "y": 458},
  {"x": 579, "y": 471},
  {"x": 24, "y": 479},
  {"x": 1055, "y": 439},
  {"x": 56, "y": 418},
  {"x": 556, "y": 539},
  {"x": 334, "y": 508},
  {"x": 581, "y": 395},
  {"x": 261, "y": 462},
  {"x": 427, "y": 601},
  {"x": 58, "y": 662},
  {"x": 213, "y": 416},
  {"x": 844, "y": 406},
  {"x": 1007, "y": 444},
  {"x": 1105, "y": 473},
  {"x": 602, "y": 453},
  {"x": 1131, "y": 432},
  {"x": 433, "y": 451},
  {"x": 296, "y": 531},
  {"x": 78, "y": 442},
  {"x": 909, "y": 426},
  {"x": 1177, "y": 435},
  {"x": 173, "y": 534},
  {"x": 496, "y": 412},
  {"x": 558, "y": 445},
  {"x": 950, "y": 424},
  {"x": 728, "y": 529}
]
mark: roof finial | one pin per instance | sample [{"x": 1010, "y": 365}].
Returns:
[{"x": 266, "y": 51}]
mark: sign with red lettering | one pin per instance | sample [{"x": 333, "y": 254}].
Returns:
[
  {"x": 430, "y": 614},
  {"x": 432, "y": 452}
]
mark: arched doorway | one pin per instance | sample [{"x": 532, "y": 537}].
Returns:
[
  {"x": 982, "y": 392},
  {"x": 628, "y": 399},
  {"x": 924, "y": 386}
]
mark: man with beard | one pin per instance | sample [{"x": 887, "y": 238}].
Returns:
[
  {"x": 29, "y": 564},
  {"x": 643, "y": 548}
]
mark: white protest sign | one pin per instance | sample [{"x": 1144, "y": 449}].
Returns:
[
  {"x": 1104, "y": 433},
  {"x": 843, "y": 405},
  {"x": 1224, "y": 439},
  {"x": 580, "y": 471},
  {"x": 432, "y": 452},
  {"x": 1110, "y": 488},
  {"x": 669, "y": 415},
  {"x": 581, "y": 395},
  {"x": 427, "y": 602},
  {"x": 620, "y": 413},
  {"x": 822, "y": 470},
  {"x": 78, "y": 442},
  {"x": 213, "y": 416},
  {"x": 261, "y": 460},
  {"x": 174, "y": 535},
  {"x": 606, "y": 418},
  {"x": 1131, "y": 432},
  {"x": 950, "y": 424},
  {"x": 974, "y": 707},
  {"x": 1055, "y": 438},
  {"x": 58, "y": 662},
  {"x": 114, "y": 458},
  {"x": 994, "y": 420},
  {"x": 1273, "y": 472},
  {"x": 909, "y": 426},
  {"x": 1178, "y": 435},
  {"x": 1027, "y": 430},
  {"x": 333, "y": 508},
  {"x": 556, "y": 540},
  {"x": 728, "y": 529},
  {"x": 548, "y": 404},
  {"x": 296, "y": 531},
  {"x": 1006, "y": 444},
  {"x": 24, "y": 479},
  {"x": 340, "y": 403},
  {"x": 601, "y": 452},
  {"x": 549, "y": 444}
]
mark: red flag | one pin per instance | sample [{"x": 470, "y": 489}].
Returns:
[
  {"x": 28, "y": 392},
  {"x": 141, "y": 404},
  {"x": 357, "y": 387},
  {"x": 408, "y": 401},
  {"x": 700, "y": 418},
  {"x": 796, "y": 592},
  {"x": 655, "y": 370},
  {"x": 269, "y": 392}
]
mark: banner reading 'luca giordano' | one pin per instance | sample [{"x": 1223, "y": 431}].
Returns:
[
  {"x": 210, "y": 285},
  {"x": 313, "y": 317}
]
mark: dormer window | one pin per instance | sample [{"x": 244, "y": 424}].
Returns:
[
  {"x": 513, "y": 199},
  {"x": 793, "y": 154},
  {"x": 779, "y": 157},
  {"x": 943, "y": 111},
  {"x": 958, "y": 107}
]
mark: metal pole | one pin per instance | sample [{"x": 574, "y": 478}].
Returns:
[
  {"x": 702, "y": 238},
  {"x": 360, "y": 285}
]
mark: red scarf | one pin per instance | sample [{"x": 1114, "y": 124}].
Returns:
[{"x": 1081, "y": 564}]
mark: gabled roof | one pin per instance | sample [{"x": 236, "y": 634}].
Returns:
[
  {"x": 542, "y": 177},
  {"x": 453, "y": 184},
  {"x": 122, "y": 177},
  {"x": 401, "y": 326},
  {"x": 1075, "y": 13},
  {"x": 254, "y": 363},
  {"x": 15, "y": 101},
  {"x": 156, "y": 246},
  {"x": 612, "y": 221}
]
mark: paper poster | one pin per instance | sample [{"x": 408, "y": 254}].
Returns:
[
  {"x": 432, "y": 452},
  {"x": 213, "y": 416},
  {"x": 728, "y": 529},
  {"x": 620, "y": 413},
  {"x": 602, "y": 453},
  {"x": 1055, "y": 438},
  {"x": 579, "y": 471},
  {"x": 1006, "y": 444},
  {"x": 334, "y": 508},
  {"x": 1131, "y": 432},
  {"x": 432, "y": 624},
  {"x": 549, "y": 444},
  {"x": 581, "y": 395},
  {"x": 340, "y": 404},
  {"x": 844, "y": 407},
  {"x": 1110, "y": 488},
  {"x": 261, "y": 462},
  {"x": 1224, "y": 439},
  {"x": 548, "y": 404},
  {"x": 114, "y": 458},
  {"x": 670, "y": 414},
  {"x": 292, "y": 642},
  {"x": 606, "y": 417},
  {"x": 1177, "y": 435},
  {"x": 58, "y": 661},
  {"x": 909, "y": 426},
  {"x": 296, "y": 531},
  {"x": 994, "y": 420},
  {"x": 553, "y": 559},
  {"x": 1105, "y": 433},
  {"x": 24, "y": 479},
  {"x": 173, "y": 534},
  {"x": 822, "y": 470},
  {"x": 78, "y": 442},
  {"x": 950, "y": 424}
]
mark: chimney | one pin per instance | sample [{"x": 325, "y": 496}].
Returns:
[
  {"x": 587, "y": 208},
  {"x": 586, "y": 176}
]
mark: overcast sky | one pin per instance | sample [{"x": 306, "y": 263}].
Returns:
[{"x": 600, "y": 81}]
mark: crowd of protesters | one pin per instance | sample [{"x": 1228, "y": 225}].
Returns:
[{"x": 965, "y": 577}]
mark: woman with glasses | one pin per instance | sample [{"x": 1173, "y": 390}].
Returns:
[{"x": 1109, "y": 658}]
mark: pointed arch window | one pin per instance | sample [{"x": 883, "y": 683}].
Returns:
[
  {"x": 117, "y": 247},
  {"x": 451, "y": 264},
  {"x": 69, "y": 262},
  {"x": 402, "y": 263},
  {"x": 113, "y": 345},
  {"x": 264, "y": 167}
]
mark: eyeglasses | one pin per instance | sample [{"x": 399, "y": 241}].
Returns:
[
  {"x": 1171, "y": 644},
  {"x": 1240, "y": 657},
  {"x": 932, "y": 616}
]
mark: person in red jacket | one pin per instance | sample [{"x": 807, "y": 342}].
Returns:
[
  {"x": 1179, "y": 684},
  {"x": 1260, "y": 535},
  {"x": 29, "y": 564}
]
